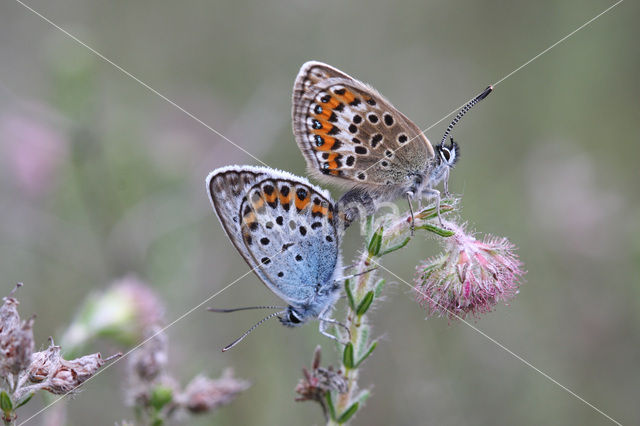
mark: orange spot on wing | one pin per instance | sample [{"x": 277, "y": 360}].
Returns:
[
  {"x": 257, "y": 205},
  {"x": 348, "y": 97},
  {"x": 249, "y": 218},
  {"x": 333, "y": 164},
  {"x": 301, "y": 204},
  {"x": 333, "y": 103},
  {"x": 327, "y": 145},
  {"x": 326, "y": 127},
  {"x": 324, "y": 115},
  {"x": 271, "y": 198},
  {"x": 319, "y": 209},
  {"x": 284, "y": 199}
]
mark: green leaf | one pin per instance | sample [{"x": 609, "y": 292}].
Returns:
[
  {"x": 366, "y": 355},
  {"x": 347, "y": 289},
  {"x": 363, "y": 396},
  {"x": 368, "y": 226},
  {"x": 436, "y": 230},
  {"x": 363, "y": 340},
  {"x": 349, "y": 412},
  {"x": 376, "y": 242},
  {"x": 379, "y": 286},
  {"x": 24, "y": 400},
  {"x": 160, "y": 396},
  {"x": 396, "y": 247},
  {"x": 332, "y": 410},
  {"x": 347, "y": 356},
  {"x": 5, "y": 402},
  {"x": 432, "y": 212},
  {"x": 363, "y": 307}
]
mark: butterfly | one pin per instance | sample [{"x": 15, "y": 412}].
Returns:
[
  {"x": 283, "y": 226},
  {"x": 352, "y": 136}
]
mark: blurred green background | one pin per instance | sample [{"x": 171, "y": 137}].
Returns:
[{"x": 99, "y": 178}]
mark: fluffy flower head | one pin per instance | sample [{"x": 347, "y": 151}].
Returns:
[{"x": 470, "y": 277}]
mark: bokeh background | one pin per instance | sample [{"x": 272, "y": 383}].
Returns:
[{"x": 100, "y": 178}]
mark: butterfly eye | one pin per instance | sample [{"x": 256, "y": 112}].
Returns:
[
  {"x": 293, "y": 318},
  {"x": 445, "y": 154}
]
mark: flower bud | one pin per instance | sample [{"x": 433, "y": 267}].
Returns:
[
  {"x": 470, "y": 277},
  {"x": 123, "y": 312}
]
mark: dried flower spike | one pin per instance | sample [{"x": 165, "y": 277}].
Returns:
[
  {"x": 470, "y": 277},
  {"x": 203, "y": 394},
  {"x": 316, "y": 383},
  {"x": 59, "y": 376},
  {"x": 16, "y": 337}
]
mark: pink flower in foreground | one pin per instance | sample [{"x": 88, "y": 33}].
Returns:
[{"x": 471, "y": 276}]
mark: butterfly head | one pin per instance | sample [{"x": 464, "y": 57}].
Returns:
[
  {"x": 293, "y": 317},
  {"x": 445, "y": 159}
]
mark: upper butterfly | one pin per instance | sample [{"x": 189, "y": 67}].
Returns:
[
  {"x": 351, "y": 135},
  {"x": 283, "y": 227}
]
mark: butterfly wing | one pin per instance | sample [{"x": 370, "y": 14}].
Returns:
[
  {"x": 348, "y": 132},
  {"x": 282, "y": 226}
]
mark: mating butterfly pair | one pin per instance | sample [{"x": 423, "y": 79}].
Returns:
[{"x": 289, "y": 230}]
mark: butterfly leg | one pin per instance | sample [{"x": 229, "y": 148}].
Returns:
[
  {"x": 409, "y": 195},
  {"x": 323, "y": 328},
  {"x": 436, "y": 194},
  {"x": 445, "y": 183}
]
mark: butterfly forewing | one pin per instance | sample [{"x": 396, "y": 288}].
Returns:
[
  {"x": 349, "y": 132},
  {"x": 283, "y": 227}
]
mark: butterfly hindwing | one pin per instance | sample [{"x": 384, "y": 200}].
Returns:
[
  {"x": 226, "y": 187},
  {"x": 284, "y": 229},
  {"x": 348, "y": 132}
]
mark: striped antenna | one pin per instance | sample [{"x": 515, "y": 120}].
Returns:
[
  {"x": 464, "y": 110},
  {"x": 224, "y": 311},
  {"x": 246, "y": 333}
]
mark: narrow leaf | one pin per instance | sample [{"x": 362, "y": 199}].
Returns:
[
  {"x": 349, "y": 412},
  {"x": 363, "y": 340},
  {"x": 436, "y": 230},
  {"x": 347, "y": 289},
  {"x": 366, "y": 355},
  {"x": 396, "y": 247},
  {"x": 24, "y": 400},
  {"x": 432, "y": 212},
  {"x": 379, "y": 286},
  {"x": 5, "y": 402},
  {"x": 363, "y": 307},
  {"x": 332, "y": 410},
  {"x": 376, "y": 242},
  {"x": 363, "y": 396},
  {"x": 347, "y": 356}
]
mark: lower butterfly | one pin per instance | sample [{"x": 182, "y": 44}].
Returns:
[{"x": 283, "y": 226}]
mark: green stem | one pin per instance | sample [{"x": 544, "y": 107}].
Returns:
[{"x": 392, "y": 235}]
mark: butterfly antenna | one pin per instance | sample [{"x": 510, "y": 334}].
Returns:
[
  {"x": 244, "y": 309},
  {"x": 246, "y": 333},
  {"x": 464, "y": 110}
]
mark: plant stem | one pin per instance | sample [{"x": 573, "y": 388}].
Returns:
[{"x": 391, "y": 233}]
